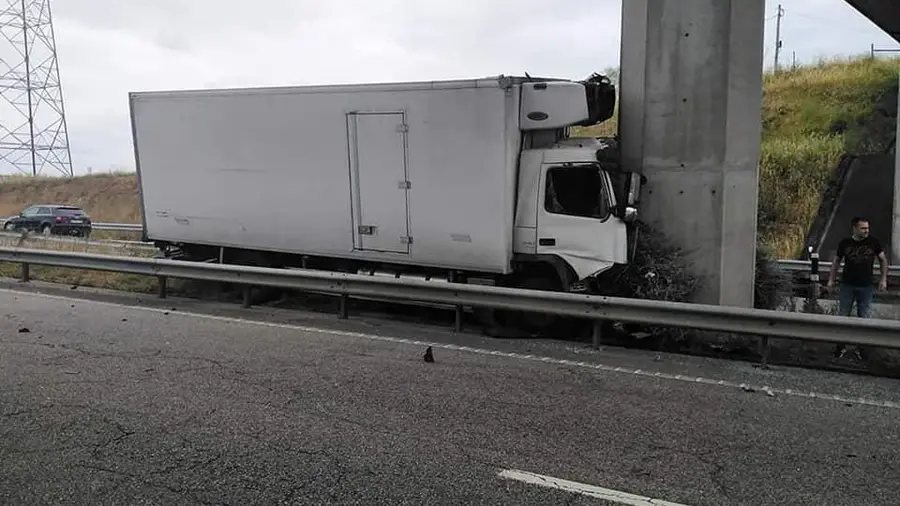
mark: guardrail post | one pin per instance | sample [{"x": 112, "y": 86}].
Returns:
[
  {"x": 597, "y": 333},
  {"x": 26, "y": 272},
  {"x": 345, "y": 310},
  {"x": 161, "y": 290},
  {"x": 248, "y": 293},
  {"x": 814, "y": 276},
  {"x": 458, "y": 309},
  {"x": 764, "y": 352}
]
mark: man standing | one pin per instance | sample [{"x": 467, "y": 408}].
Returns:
[{"x": 858, "y": 253}]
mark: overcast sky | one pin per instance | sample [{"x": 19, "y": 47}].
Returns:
[{"x": 110, "y": 47}]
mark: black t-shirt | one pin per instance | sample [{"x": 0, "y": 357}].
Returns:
[{"x": 859, "y": 260}]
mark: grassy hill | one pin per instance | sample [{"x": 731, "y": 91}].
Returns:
[
  {"x": 106, "y": 197},
  {"x": 811, "y": 116}
]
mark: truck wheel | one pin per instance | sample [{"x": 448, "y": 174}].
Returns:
[{"x": 535, "y": 278}]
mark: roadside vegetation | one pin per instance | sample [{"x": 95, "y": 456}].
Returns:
[{"x": 811, "y": 116}]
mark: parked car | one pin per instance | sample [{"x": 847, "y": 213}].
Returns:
[{"x": 51, "y": 219}]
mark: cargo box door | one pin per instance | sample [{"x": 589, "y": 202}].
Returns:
[{"x": 378, "y": 179}]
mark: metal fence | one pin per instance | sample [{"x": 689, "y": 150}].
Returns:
[{"x": 820, "y": 328}]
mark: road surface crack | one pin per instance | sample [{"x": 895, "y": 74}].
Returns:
[{"x": 150, "y": 483}]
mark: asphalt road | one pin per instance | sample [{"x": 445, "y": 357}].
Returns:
[{"x": 102, "y": 403}]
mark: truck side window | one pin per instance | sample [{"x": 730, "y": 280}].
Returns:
[{"x": 576, "y": 191}]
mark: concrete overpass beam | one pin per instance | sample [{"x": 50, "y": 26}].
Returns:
[{"x": 690, "y": 120}]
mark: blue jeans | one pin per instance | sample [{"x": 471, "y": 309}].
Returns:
[{"x": 862, "y": 295}]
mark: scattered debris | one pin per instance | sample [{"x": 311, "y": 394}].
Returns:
[
  {"x": 767, "y": 390},
  {"x": 429, "y": 356}
]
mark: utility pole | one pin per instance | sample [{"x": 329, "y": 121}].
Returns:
[{"x": 778, "y": 35}]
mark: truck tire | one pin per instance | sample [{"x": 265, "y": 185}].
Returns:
[{"x": 534, "y": 277}]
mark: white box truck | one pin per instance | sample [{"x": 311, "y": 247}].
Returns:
[{"x": 465, "y": 181}]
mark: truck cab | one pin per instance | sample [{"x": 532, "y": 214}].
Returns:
[{"x": 576, "y": 205}]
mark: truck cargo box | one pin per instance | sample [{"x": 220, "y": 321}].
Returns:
[{"x": 412, "y": 173}]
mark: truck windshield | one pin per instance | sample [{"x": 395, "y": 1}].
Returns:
[{"x": 576, "y": 191}]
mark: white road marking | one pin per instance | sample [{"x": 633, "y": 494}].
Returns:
[
  {"x": 480, "y": 351},
  {"x": 580, "y": 488}
]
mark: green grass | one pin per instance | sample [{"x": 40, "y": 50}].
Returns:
[{"x": 803, "y": 112}]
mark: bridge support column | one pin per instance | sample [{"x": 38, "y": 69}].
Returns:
[
  {"x": 895, "y": 233},
  {"x": 690, "y": 120}
]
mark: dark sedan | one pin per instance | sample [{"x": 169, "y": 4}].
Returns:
[{"x": 51, "y": 219}]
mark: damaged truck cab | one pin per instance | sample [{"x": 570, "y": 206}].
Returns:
[{"x": 575, "y": 203}]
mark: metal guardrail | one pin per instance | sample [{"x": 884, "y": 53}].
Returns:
[
  {"x": 112, "y": 227},
  {"x": 765, "y": 323},
  {"x": 805, "y": 266},
  {"x": 80, "y": 240},
  {"x": 118, "y": 227}
]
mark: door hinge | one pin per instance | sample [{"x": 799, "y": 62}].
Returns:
[
  {"x": 366, "y": 230},
  {"x": 406, "y": 239},
  {"x": 402, "y": 129},
  {"x": 404, "y": 185}
]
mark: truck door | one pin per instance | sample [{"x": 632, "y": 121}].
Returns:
[
  {"x": 575, "y": 218},
  {"x": 378, "y": 179}
]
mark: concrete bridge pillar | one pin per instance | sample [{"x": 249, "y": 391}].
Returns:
[
  {"x": 690, "y": 120},
  {"x": 895, "y": 235}
]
